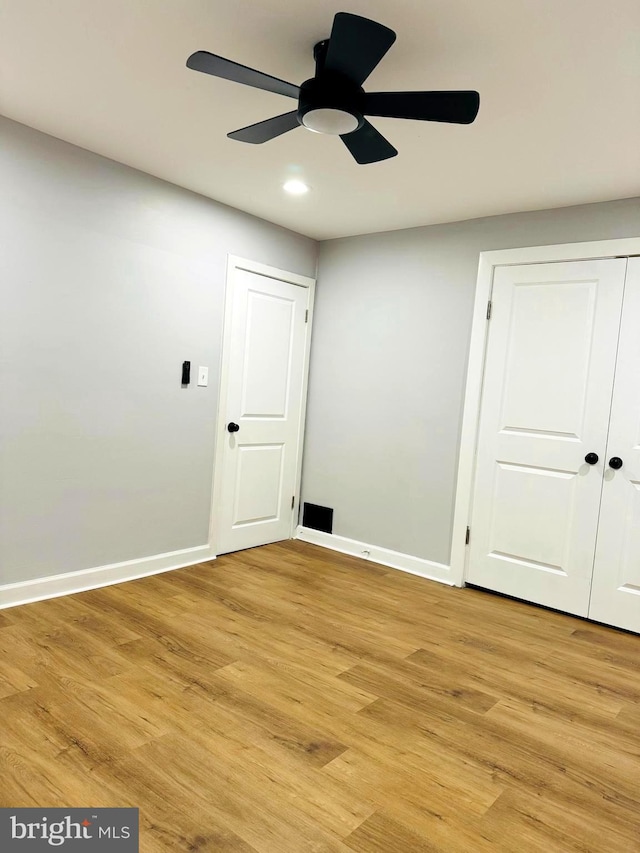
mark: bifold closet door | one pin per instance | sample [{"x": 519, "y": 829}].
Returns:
[
  {"x": 548, "y": 381},
  {"x": 615, "y": 592}
]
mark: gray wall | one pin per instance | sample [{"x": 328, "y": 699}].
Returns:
[
  {"x": 389, "y": 355},
  {"x": 109, "y": 279}
]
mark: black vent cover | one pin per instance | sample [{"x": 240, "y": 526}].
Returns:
[{"x": 317, "y": 517}]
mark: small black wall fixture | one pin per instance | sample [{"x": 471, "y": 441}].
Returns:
[{"x": 186, "y": 373}]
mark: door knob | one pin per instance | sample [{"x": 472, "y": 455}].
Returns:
[
  {"x": 615, "y": 462},
  {"x": 591, "y": 458},
  {"x": 233, "y": 427}
]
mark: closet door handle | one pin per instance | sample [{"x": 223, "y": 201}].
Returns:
[
  {"x": 615, "y": 462},
  {"x": 591, "y": 458},
  {"x": 233, "y": 427}
]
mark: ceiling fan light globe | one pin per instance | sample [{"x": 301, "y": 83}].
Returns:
[{"x": 330, "y": 121}]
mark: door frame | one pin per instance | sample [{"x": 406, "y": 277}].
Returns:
[
  {"x": 236, "y": 263},
  {"x": 488, "y": 262}
]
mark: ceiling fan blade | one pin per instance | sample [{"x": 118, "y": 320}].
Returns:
[
  {"x": 367, "y": 145},
  {"x": 356, "y": 46},
  {"x": 209, "y": 63},
  {"x": 455, "y": 107},
  {"x": 263, "y": 131}
]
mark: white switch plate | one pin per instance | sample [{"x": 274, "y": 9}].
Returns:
[{"x": 203, "y": 376}]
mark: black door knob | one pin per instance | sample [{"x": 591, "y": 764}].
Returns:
[
  {"x": 615, "y": 462},
  {"x": 233, "y": 427},
  {"x": 591, "y": 458}
]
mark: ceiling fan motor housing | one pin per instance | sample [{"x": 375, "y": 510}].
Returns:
[{"x": 329, "y": 102}]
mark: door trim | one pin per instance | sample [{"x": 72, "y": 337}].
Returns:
[
  {"x": 475, "y": 370},
  {"x": 236, "y": 263}
]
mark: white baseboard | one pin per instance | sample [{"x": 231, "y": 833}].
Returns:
[
  {"x": 394, "y": 559},
  {"x": 54, "y": 586}
]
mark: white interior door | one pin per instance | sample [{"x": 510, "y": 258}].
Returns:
[
  {"x": 546, "y": 402},
  {"x": 615, "y": 593},
  {"x": 264, "y": 375}
]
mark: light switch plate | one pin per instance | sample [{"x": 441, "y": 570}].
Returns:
[{"x": 203, "y": 376}]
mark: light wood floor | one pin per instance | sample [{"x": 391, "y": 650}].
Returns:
[{"x": 292, "y": 700}]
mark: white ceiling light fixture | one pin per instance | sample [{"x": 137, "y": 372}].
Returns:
[
  {"x": 333, "y": 122},
  {"x": 295, "y": 187}
]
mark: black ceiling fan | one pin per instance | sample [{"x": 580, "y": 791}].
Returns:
[{"x": 333, "y": 101}]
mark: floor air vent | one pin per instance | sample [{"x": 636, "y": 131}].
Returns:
[{"x": 317, "y": 517}]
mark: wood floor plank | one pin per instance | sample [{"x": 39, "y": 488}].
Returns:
[
  {"x": 539, "y": 823},
  {"x": 389, "y": 774},
  {"x": 499, "y": 672},
  {"x": 519, "y": 760},
  {"x": 383, "y": 833},
  {"x": 311, "y": 745},
  {"x": 288, "y": 699},
  {"x": 238, "y": 794},
  {"x": 414, "y": 686}
]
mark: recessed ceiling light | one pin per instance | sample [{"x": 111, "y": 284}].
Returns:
[{"x": 295, "y": 187}]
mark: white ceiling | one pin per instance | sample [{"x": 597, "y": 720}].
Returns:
[{"x": 559, "y": 120}]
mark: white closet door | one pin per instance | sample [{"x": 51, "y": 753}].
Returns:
[
  {"x": 615, "y": 594},
  {"x": 546, "y": 401}
]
